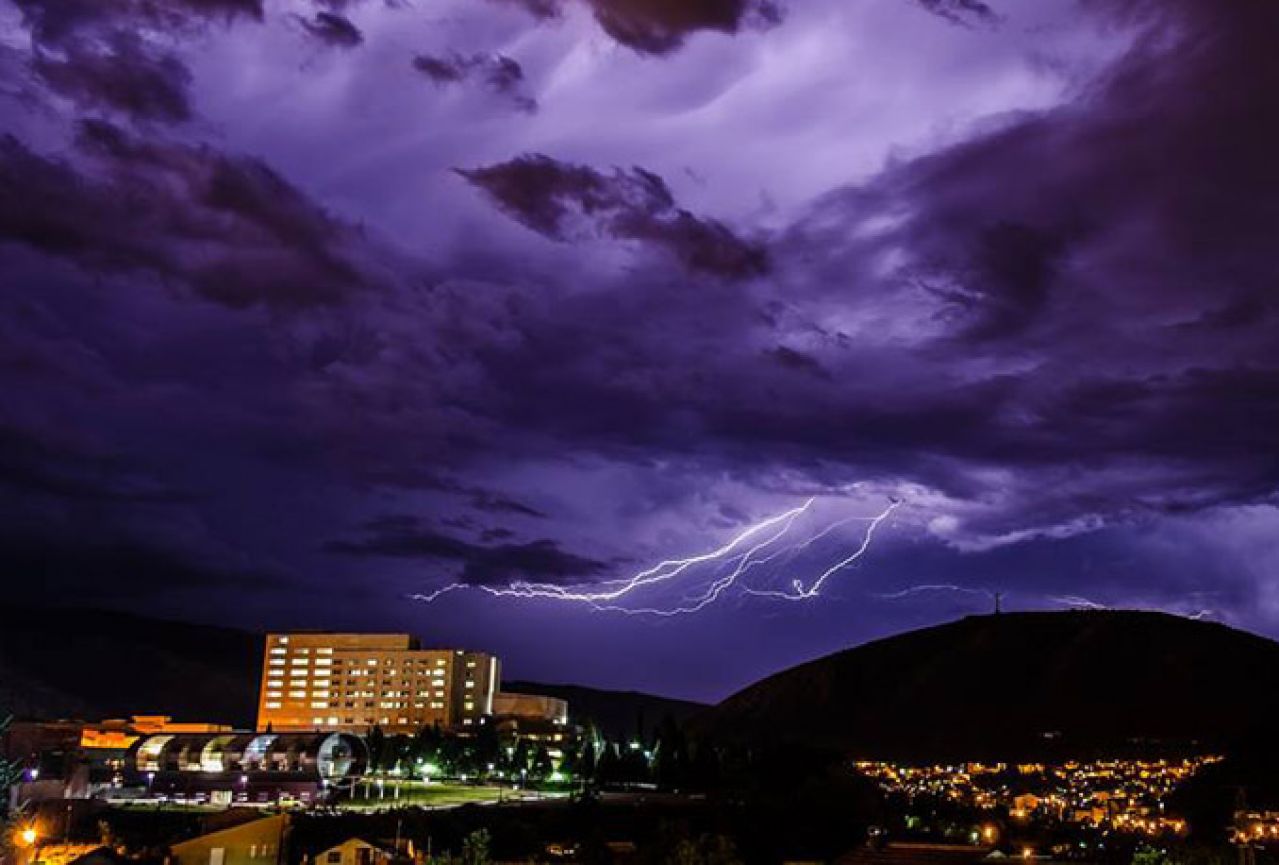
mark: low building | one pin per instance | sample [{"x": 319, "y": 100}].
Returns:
[
  {"x": 258, "y": 842},
  {"x": 358, "y": 851},
  {"x": 229, "y": 768},
  {"x": 507, "y": 704}
]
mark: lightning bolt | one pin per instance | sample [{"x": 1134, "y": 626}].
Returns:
[
  {"x": 612, "y": 590},
  {"x": 1077, "y": 602},
  {"x": 741, "y": 554},
  {"x": 933, "y": 587},
  {"x": 798, "y": 592}
]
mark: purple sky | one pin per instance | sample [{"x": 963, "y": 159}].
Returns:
[{"x": 309, "y": 306}]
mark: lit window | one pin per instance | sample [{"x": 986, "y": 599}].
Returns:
[
  {"x": 283, "y": 639},
  {"x": 277, "y": 662},
  {"x": 297, "y": 694},
  {"x": 273, "y": 694},
  {"x": 325, "y": 651},
  {"x": 323, "y": 662},
  {"x": 317, "y": 721},
  {"x": 470, "y": 664},
  {"x": 273, "y": 705},
  {"x": 470, "y": 684},
  {"x": 320, "y": 705},
  {"x": 301, "y": 662},
  {"x": 279, "y": 651},
  {"x": 440, "y": 662}
]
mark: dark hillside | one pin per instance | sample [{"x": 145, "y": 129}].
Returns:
[{"x": 1019, "y": 684}]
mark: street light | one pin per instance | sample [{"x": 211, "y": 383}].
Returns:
[{"x": 28, "y": 836}]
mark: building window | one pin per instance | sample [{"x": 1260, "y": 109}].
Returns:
[{"x": 334, "y": 857}]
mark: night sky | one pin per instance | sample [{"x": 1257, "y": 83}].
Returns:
[{"x": 307, "y": 308}]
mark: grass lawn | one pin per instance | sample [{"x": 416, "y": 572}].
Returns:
[{"x": 439, "y": 794}]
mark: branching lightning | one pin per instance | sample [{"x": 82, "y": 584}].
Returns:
[
  {"x": 798, "y": 592},
  {"x": 752, "y": 548}
]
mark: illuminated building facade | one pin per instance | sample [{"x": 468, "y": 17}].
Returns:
[
  {"x": 530, "y": 706},
  {"x": 319, "y": 681},
  {"x": 229, "y": 768}
]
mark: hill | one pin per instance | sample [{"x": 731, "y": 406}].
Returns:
[
  {"x": 619, "y": 714},
  {"x": 84, "y": 663},
  {"x": 93, "y": 664},
  {"x": 1018, "y": 685}
]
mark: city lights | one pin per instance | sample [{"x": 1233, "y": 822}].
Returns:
[{"x": 1121, "y": 795}]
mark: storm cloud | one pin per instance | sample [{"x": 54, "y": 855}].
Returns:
[
  {"x": 559, "y": 201},
  {"x": 277, "y": 315}
]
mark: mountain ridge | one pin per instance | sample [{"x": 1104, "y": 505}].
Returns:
[
  {"x": 90, "y": 664},
  {"x": 1017, "y": 684}
]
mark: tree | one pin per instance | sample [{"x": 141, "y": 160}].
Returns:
[
  {"x": 542, "y": 766},
  {"x": 377, "y": 748},
  {"x": 608, "y": 766},
  {"x": 670, "y": 761},
  {"x": 704, "y": 767},
  {"x": 475, "y": 849},
  {"x": 522, "y": 761},
  {"x": 9, "y": 775},
  {"x": 488, "y": 746},
  {"x": 425, "y": 747}
]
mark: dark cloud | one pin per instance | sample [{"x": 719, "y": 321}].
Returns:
[
  {"x": 53, "y": 21},
  {"x": 230, "y": 228},
  {"x": 662, "y": 26},
  {"x": 400, "y": 536},
  {"x": 496, "y": 503},
  {"x": 555, "y": 198},
  {"x": 34, "y": 465},
  {"x": 334, "y": 30},
  {"x": 498, "y": 73},
  {"x": 113, "y": 571},
  {"x": 961, "y": 11},
  {"x": 790, "y": 358},
  {"x": 122, "y": 74}
]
